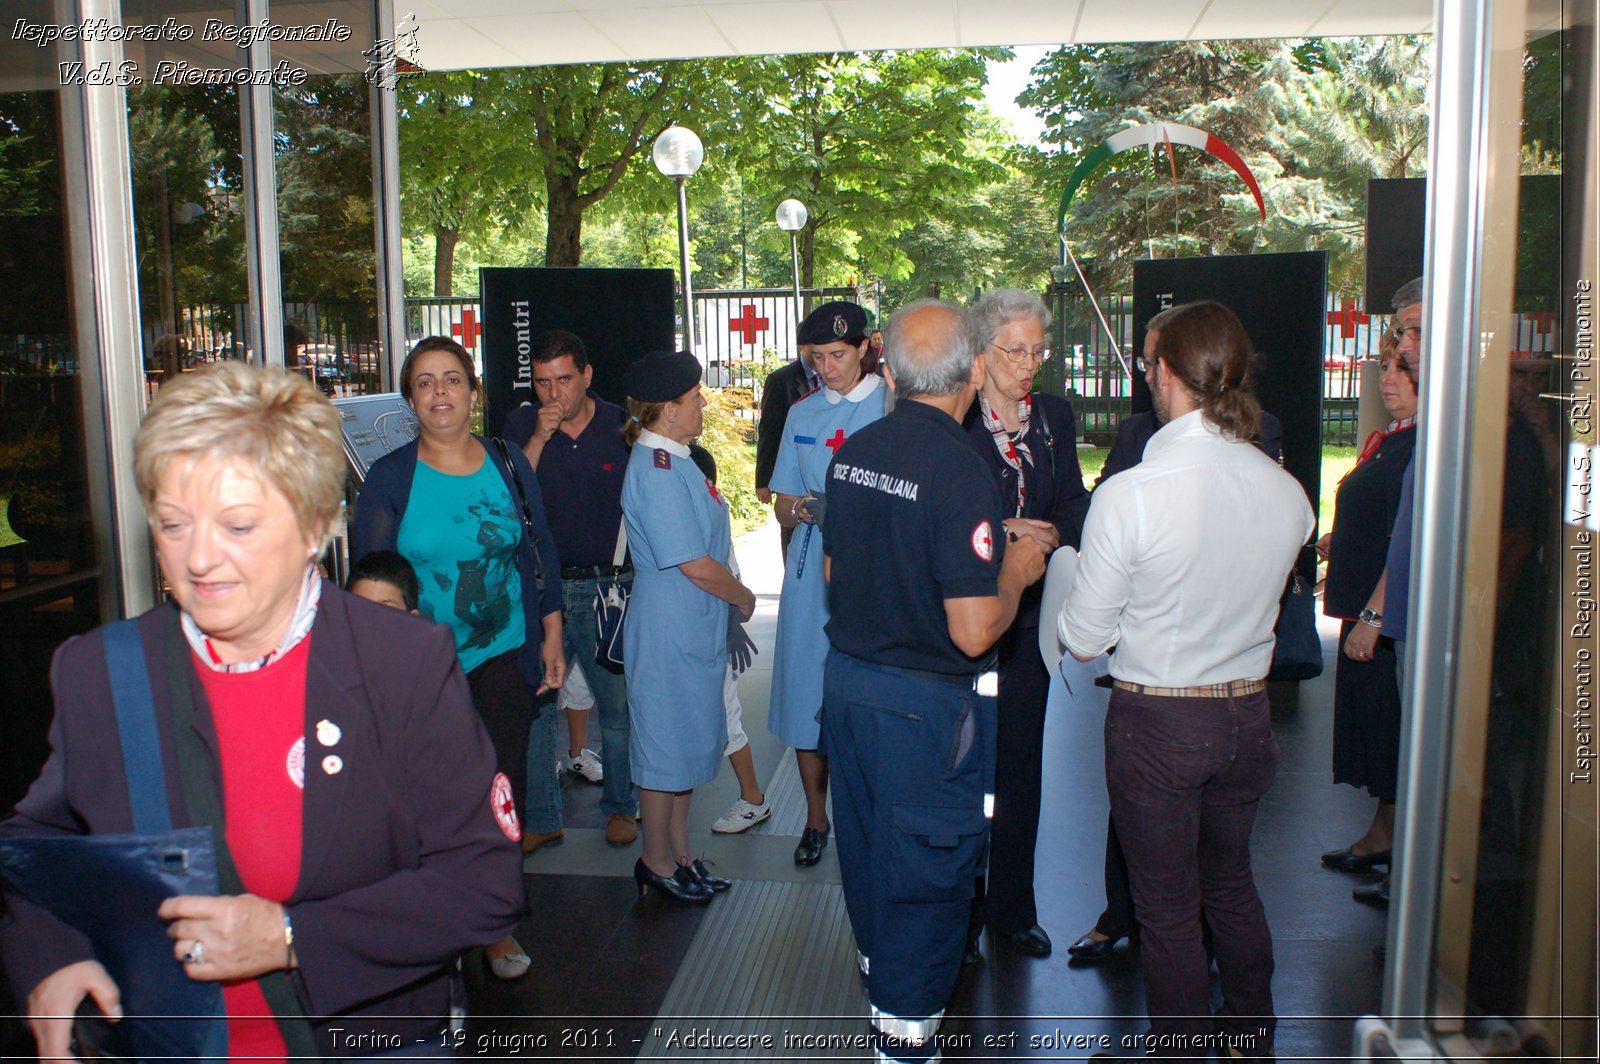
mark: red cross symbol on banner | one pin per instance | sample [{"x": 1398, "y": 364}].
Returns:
[
  {"x": 1347, "y": 318},
  {"x": 836, "y": 441},
  {"x": 747, "y": 325},
  {"x": 467, "y": 330},
  {"x": 1543, "y": 321}
]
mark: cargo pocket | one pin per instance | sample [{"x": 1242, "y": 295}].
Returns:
[{"x": 933, "y": 855}]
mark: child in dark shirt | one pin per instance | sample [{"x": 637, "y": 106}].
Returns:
[{"x": 385, "y": 577}]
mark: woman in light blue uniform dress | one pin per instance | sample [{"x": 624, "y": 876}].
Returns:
[
  {"x": 848, "y": 399},
  {"x": 675, "y": 633}
]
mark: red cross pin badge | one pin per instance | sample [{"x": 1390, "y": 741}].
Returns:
[{"x": 505, "y": 810}]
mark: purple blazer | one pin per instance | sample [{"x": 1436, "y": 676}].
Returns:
[{"x": 403, "y": 864}]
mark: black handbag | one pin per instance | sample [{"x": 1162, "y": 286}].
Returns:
[
  {"x": 525, "y": 512},
  {"x": 1297, "y": 654},
  {"x": 610, "y": 606}
]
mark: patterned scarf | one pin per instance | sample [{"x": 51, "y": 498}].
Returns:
[
  {"x": 1013, "y": 447},
  {"x": 305, "y": 615}
]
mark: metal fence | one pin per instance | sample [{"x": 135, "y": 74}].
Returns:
[{"x": 742, "y": 334}]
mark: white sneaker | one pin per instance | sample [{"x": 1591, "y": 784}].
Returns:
[
  {"x": 586, "y": 764},
  {"x": 740, "y": 816}
]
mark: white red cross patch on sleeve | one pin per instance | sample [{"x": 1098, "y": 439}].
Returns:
[
  {"x": 505, "y": 809},
  {"x": 983, "y": 542}
]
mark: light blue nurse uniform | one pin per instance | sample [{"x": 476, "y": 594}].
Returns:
[
  {"x": 675, "y": 636},
  {"x": 816, "y": 426}
]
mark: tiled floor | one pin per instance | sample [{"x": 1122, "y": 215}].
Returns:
[{"x": 606, "y": 961}]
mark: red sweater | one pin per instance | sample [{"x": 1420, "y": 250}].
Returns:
[{"x": 260, "y": 721}]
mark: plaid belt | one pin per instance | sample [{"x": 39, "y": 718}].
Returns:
[{"x": 1231, "y": 689}]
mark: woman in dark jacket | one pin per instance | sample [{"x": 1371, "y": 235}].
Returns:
[
  {"x": 1030, "y": 440},
  {"x": 1366, "y": 693},
  {"x": 329, "y": 743},
  {"x": 461, "y": 510}
]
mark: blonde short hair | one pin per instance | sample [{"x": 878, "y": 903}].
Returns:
[{"x": 272, "y": 420}]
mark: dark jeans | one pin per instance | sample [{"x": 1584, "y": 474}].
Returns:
[{"x": 1185, "y": 777}]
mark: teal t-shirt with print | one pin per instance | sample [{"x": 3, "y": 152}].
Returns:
[{"x": 460, "y": 533}]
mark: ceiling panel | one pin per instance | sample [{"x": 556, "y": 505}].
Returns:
[{"x": 461, "y": 33}]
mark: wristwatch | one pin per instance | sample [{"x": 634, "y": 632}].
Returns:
[{"x": 1372, "y": 617}]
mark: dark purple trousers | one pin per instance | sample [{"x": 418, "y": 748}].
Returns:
[{"x": 1185, "y": 776}]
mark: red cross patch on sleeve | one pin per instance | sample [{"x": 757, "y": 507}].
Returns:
[
  {"x": 505, "y": 810},
  {"x": 663, "y": 459},
  {"x": 983, "y": 542}
]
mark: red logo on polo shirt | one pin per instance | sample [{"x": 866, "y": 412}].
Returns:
[
  {"x": 505, "y": 810},
  {"x": 983, "y": 542}
]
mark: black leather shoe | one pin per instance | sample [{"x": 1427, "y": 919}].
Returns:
[
  {"x": 1373, "y": 893},
  {"x": 1090, "y": 949},
  {"x": 812, "y": 843},
  {"x": 1346, "y": 861},
  {"x": 1034, "y": 942},
  {"x": 679, "y": 886},
  {"x": 701, "y": 874}
]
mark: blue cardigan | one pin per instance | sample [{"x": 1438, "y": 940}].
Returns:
[{"x": 382, "y": 506}]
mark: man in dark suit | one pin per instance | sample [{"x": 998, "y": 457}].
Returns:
[{"x": 784, "y": 387}]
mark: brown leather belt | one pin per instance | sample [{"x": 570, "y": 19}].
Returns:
[{"x": 1231, "y": 689}]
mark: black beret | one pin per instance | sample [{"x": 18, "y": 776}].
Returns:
[
  {"x": 661, "y": 376},
  {"x": 832, "y": 322}
]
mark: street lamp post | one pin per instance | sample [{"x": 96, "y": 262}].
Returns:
[
  {"x": 791, "y": 219},
  {"x": 678, "y": 154}
]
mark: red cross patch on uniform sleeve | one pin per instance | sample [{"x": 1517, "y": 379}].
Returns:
[
  {"x": 505, "y": 809},
  {"x": 983, "y": 542}
]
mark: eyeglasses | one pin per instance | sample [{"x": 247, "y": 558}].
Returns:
[
  {"x": 1141, "y": 363},
  {"x": 1019, "y": 355},
  {"x": 1406, "y": 332}
]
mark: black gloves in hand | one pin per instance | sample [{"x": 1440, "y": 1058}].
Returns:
[
  {"x": 741, "y": 648},
  {"x": 814, "y": 506}
]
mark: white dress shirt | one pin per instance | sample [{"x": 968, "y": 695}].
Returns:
[{"x": 1184, "y": 558}]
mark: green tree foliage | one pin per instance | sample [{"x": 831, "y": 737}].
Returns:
[
  {"x": 467, "y": 164},
  {"x": 872, "y": 144}
]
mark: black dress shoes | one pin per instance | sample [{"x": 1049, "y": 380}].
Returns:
[
  {"x": 1034, "y": 942},
  {"x": 701, "y": 874},
  {"x": 812, "y": 843},
  {"x": 1091, "y": 949},
  {"x": 1373, "y": 893},
  {"x": 1346, "y": 861},
  {"x": 680, "y": 885}
]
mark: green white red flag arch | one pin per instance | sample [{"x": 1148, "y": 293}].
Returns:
[{"x": 1167, "y": 133}]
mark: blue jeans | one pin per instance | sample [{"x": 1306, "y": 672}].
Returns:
[{"x": 610, "y": 695}]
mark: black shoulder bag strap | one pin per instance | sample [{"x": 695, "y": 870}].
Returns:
[
  {"x": 205, "y": 807},
  {"x": 526, "y": 510}
]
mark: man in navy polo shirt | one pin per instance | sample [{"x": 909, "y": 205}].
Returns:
[
  {"x": 908, "y": 716},
  {"x": 573, "y": 438}
]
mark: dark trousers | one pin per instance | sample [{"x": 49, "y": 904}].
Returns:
[
  {"x": 1008, "y": 903},
  {"x": 1185, "y": 777},
  {"x": 1118, "y": 919},
  {"x": 910, "y": 759},
  {"x": 507, "y": 706}
]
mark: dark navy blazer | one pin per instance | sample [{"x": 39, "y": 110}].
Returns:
[
  {"x": 1055, "y": 491},
  {"x": 403, "y": 863}
]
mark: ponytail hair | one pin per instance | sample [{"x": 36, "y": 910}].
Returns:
[
  {"x": 1206, "y": 348},
  {"x": 641, "y": 415}
]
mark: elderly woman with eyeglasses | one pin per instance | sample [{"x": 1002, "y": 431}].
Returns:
[{"x": 1030, "y": 441}]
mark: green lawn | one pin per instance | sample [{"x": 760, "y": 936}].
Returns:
[{"x": 1336, "y": 462}]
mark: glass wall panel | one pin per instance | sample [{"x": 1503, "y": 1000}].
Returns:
[
  {"x": 49, "y": 559},
  {"x": 324, "y": 153}
]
